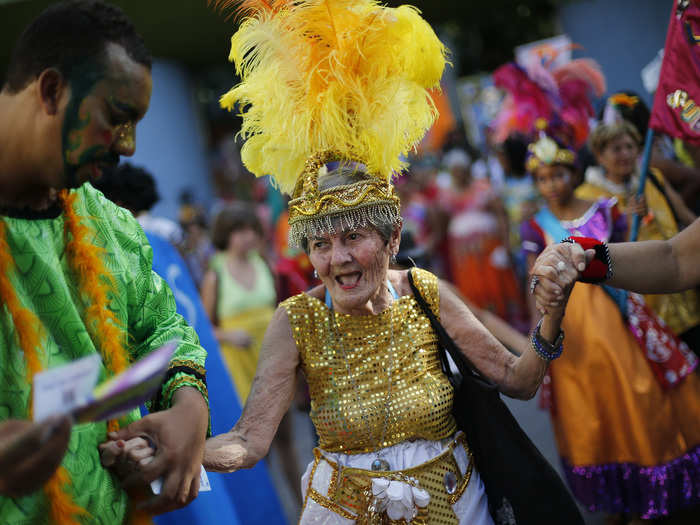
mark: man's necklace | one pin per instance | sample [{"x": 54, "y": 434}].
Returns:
[{"x": 379, "y": 464}]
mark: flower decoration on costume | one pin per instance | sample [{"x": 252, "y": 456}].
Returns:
[
  {"x": 399, "y": 499},
  {"x": 332, "y": 80}
]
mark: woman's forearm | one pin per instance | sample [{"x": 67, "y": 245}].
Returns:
[{"x": 528, "y": 370}]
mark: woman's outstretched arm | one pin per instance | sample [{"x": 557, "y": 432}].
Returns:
[{"x": 271, "y": 394}]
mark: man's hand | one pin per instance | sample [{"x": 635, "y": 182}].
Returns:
[
  {"x": 178, "y": 435},
  {"x": 30, "y": 453},
  {"x": 555, "y": 272}
]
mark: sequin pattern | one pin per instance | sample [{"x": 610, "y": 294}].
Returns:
[{"x": 349, "y": 410}]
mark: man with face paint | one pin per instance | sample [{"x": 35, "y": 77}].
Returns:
[{"x": 76, "y": 278}]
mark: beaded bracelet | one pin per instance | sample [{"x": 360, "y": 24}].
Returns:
[{"x": 546, "y": 350}]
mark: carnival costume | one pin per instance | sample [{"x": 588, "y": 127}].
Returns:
[
  {"x": 74, "y": 281},
  {"x": 344, "y": 83},
  {"x": 629, "y": 443}
]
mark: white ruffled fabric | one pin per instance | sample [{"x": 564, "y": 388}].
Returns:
[{"x": 471, "y": 508}]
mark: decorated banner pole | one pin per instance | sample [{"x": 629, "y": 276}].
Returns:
[{"x": 646, "y": 160}]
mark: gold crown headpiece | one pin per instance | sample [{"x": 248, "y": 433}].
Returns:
[
  {"x": 368, "y": 202},
  {"x": 344, "y": 76},
  {"x": 546, "y": 151}
]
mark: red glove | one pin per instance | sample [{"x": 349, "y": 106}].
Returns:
[{"x": 600, "y": 268}]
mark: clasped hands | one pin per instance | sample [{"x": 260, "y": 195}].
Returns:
[
  {"x": 167, "y": 444},
  {"x": 554, "y": 274}
]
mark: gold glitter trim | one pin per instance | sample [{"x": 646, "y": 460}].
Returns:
[
  {"x": 178, "y": 382},
  {"x": 348, "y": 411},
  {"x": 454, "y": 498},
  {"x": 189, "y": 364},
  {"x": 328, "y": 504},
  {"x": 352, "y": 487},
  {"x": 368, "y": 202}
]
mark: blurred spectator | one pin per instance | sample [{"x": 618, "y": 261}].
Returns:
[
  {"x": 617, "y": 148},
  {"x": 134, "y": 188},
  {"x": 477, "y": 241},
  {"x": 238, "y": 292},
  {"x": 518, "y": 194},
  {"x": 196, "y": 247},
  {"x": 679, "y": 162}
]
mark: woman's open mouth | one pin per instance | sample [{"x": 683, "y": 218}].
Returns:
[{"x": 348, "y": 281}]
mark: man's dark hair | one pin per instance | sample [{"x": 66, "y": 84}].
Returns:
[
  {"x": 130, "y": 186},
  {"x": 66, "y": 36}
]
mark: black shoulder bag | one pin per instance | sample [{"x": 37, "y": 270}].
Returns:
[{"x": 521, "y": 485}]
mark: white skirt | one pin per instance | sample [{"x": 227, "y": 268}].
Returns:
[{"x": 471, "y": 508}]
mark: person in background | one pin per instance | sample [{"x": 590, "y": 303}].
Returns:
[
  {"x": 238, "y": 292},
  {"x": 477, "y": 244},
  {"x": 616, "y": 147},
  {"x": 518, "y": 194},
  {"x": 196, "y": 247},
  {"x": 628, "y": 440},
  {"x": 239, "y": 295},
  {"x": 679, "y": 162}
]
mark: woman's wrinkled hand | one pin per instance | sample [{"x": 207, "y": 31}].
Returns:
[
  {"x": 554, "y": 274},
  {"x": 224, "y": 453}
]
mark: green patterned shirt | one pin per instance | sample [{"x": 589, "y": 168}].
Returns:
[{"x": 142, "y": 302}]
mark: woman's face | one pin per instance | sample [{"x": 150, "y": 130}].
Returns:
[
  {"x": 244, "y": 240},
  {"x": 619, "y": 157},
  {"x": 353, "y": 265},
  {"x": 555, "y": 183}
]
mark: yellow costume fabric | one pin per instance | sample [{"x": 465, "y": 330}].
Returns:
[
  {"x": 608, "y": 406},
  {"x": 680, "y": 311},
  {"x": 348, "y": 361},
  {"x": 250, "y": 310}
]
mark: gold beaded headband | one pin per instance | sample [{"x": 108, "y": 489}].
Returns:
[{"x": 370, "y": 201}]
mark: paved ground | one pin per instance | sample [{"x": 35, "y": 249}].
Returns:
[{"x": 534, "y": 421}]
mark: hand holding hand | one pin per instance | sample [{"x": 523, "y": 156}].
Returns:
[
  {"x": 179, "y": 434},
  {"x": 30, "y": 453},
  {"x": 127, "y": 458},
  {"x": 554, "y": 274}
]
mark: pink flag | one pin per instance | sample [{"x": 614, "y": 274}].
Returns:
[{"x": 676, "y": 109}]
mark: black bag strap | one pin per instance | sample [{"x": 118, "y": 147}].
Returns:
[{"x": 447, "y": 344}]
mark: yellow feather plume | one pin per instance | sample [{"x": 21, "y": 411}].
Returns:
[{"x": 347, "y": 76}]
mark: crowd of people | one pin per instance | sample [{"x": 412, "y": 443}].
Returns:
[{"x": 518, "y": 248}]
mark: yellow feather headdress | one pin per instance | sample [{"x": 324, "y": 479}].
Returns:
[{"x": 331, "y": 80}]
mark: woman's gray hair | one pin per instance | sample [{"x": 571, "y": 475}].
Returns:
[{"x": 344, "y": 176}]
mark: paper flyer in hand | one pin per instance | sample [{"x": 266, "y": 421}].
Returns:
[{"x": 71, "y": 388}]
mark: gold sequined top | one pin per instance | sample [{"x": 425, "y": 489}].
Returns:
[{"x": 349, "y": 360}]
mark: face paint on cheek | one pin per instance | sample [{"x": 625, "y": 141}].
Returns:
[{"x": 76, "y": 121}]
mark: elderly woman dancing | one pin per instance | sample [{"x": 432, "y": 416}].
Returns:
[{"x": 333, "y": 94}]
